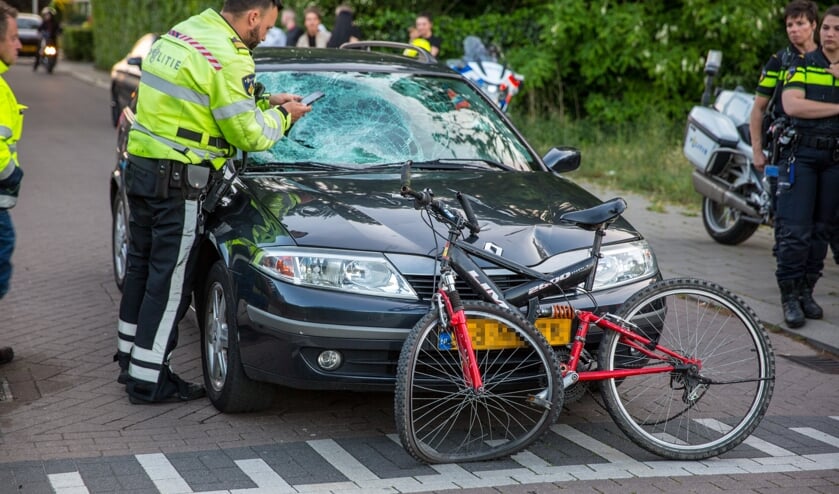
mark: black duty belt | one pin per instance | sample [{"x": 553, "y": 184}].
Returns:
[
  {"x": 818, "y": 142},
  {"x": 216, "y": 142}
]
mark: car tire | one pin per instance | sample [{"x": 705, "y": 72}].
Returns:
[
  {"x": 228, "y": 387},
  {"x": 119, "y": 239}
]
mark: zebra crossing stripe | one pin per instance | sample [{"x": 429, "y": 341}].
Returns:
[
  {"x": 818, "y": 435},
  {"x": 603, "y": 450},
  {"x": 264, "y": 476},
  {"x": 344, "y": 462},
  {"x": 67, "y": 483},
  {"x": 163, "y": 474},
  {"x": 755, "y": 442}
]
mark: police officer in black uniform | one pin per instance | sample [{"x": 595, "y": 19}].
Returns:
[{"x": 809, "y": 174}]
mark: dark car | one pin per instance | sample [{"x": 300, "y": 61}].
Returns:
[
  {"x": 125, "y": 75},
  {"x": 30, "y": 37},
  {"x": 313, "y": 268}
]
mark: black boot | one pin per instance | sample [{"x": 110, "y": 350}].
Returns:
[
  {"x": 793, "y": 314},
  {"x": 811, "y": 309},
  {"x": 123, "y": 359}
]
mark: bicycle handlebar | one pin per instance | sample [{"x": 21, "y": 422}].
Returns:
[{"x": 425, "y": 198}]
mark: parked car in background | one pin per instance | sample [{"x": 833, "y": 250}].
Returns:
[
  {"x": 312, "y": 269},
  {"x": 30, "y": 37},
  {"x": 125, "y": 75}
]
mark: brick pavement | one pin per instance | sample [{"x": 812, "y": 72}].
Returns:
[{"x": 68, "y": 405}]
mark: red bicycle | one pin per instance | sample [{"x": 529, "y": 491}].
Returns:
[{"x": 686, "y": 370}]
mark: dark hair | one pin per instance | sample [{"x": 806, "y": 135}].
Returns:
[
  {"x": 6, "y": 12},
  {"x": 313, "y": 10},
  {"x": 343, "y": 29},
  {"x": 427, "y": 15},
  {"x": 798, "y": 8},
  {"x": 834, "y": 11},
  {"x": 240, "y": 6}
]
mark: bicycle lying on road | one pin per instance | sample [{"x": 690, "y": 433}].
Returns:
[{"x": 686, "y": 370}]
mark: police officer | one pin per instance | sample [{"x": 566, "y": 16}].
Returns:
[
  {"x": 195, "y": 108},
  {"x": 809, "y": 179},
  {"x": 801, "y": 18},
  {"x": 11, "y": 125}
]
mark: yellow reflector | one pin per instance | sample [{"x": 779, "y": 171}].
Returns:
[{"x": 488, "y": 334}]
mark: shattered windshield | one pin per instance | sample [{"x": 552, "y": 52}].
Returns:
[{"x": 368, "y": 119}]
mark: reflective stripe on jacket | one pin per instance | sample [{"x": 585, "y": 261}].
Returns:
[
  {"x": 195, "y": 98},
  {"x": 11, "y": 126}
]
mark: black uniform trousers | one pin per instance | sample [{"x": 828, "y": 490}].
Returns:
[
  {"x": 806, "y": 216},
  {"x": 163, "y": 232}
]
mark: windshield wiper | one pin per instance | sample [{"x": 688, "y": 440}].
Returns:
[
  {"x": 278, "y": 167},
  {"x": 455, "y": 163}
]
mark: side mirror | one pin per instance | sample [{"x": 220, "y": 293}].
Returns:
[
  {"x": 138, "y": 61},
  {"x": 562, "y": 159},
  {"x": 713, "y": 62}
]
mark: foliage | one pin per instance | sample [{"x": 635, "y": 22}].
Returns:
[{"x": 77, "y": 43}]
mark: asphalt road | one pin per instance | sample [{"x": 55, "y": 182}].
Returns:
[{"x": 66, "y": 425}]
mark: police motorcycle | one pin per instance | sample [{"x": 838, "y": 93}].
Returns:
[
  {"x": 737, "y": 199},
  {"x": 483, "y": 67},
  {"x": 48, "y": 55}
]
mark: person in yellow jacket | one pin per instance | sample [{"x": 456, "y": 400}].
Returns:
[
  {"x": 11, "y": 125},
  {"x": 195, "y": 108}
]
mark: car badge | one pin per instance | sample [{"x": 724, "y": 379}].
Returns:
[{"x": 495, "y": 249}]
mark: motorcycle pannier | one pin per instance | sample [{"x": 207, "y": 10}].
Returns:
[{"x": 711, "y": 139}]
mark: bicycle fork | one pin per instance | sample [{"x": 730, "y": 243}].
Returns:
[{"x": 449, "y": 304}]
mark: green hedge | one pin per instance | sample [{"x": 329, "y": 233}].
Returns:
[
  {"x": 77, "y": 43},
  {"x": 611, "y": 62}
]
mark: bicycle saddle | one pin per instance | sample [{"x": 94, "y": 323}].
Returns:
[{"x": 591, "y": 218}]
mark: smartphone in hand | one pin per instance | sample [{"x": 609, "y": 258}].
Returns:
[{"x": 311, "y": 98}]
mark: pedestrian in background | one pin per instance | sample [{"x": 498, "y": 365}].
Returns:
[
  {"x": 292, "y": 30},
  {"x": 808, "y": 177},
  {"x": 196, "y": 108},
  {"x": 425, "y": 28},
  {"x": 345, "y": 30},
  {"x": 312, "y": 37},
  {"x": 11, "y": 126}
]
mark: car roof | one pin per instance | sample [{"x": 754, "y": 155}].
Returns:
[
  {"x": 344, "y": 59},
  {"x": 23, "y": 15}
]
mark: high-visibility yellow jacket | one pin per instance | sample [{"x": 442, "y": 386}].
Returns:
[
  {"x": 11, "y": 126},
  {"x": 196, "y": 97}
]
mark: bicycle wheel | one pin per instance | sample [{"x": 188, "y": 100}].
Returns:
[
  {"x": 441, "y": 419},
  {"x": 690, "y": 414}
]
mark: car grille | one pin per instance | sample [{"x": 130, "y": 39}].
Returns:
[{"x": 425, "y": 288}]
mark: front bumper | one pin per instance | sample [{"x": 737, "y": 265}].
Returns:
[{"x": 284, "y": 327}]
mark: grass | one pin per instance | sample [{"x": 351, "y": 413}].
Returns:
[{"x": 644, "y": 158}]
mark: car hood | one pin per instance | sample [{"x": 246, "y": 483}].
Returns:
[{"x": 518, "y": 212}]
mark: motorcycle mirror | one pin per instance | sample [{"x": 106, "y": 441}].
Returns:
[
  {"x": 562, "y": 159},
  {"x": 713, "y": 62}
]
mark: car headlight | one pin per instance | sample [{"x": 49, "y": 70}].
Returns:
[
  {"x": 356, "y": 272},
  {"x": 619, "y": 263},
  {"x": 624, "y": 263}
]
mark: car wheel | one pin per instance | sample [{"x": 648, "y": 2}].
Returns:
[
  {"x": 119, "y": 237},
  {"x": 115, "y": 109},
  {"x": 230, "y": 390}
]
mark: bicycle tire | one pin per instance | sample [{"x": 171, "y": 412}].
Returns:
[
  {"x": 697, "y": 319},
  {"x": 440, "y": 419}
]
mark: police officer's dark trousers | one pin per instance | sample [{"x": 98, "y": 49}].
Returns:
[
  {"x": 163, "y": 230},
  {"x": 805, "y": 217}
]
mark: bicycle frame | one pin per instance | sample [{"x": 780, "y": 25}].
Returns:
[{"x": 457, "y": 256}]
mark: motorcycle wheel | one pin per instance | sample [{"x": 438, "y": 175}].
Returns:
[
  {"x": 726, "y": 225},
  {"x": 50, "y": 65}
]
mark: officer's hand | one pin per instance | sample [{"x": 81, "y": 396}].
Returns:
[
  {"x": 296, "y": 109},
  {"x": 759, "y": 160},
  {"x": 282, "y": 98}
]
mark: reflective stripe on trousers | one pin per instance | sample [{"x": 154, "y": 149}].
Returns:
[{"x": 157, "y": 282}]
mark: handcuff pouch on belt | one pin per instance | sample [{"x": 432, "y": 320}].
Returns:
[{"x": 192, "y": 180}]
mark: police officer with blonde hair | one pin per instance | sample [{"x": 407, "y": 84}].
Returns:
[
  {"x": 196, "y": 107},
  {"x": 11, "y": 126}
]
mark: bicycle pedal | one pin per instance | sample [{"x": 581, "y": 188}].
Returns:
[{"x": 539, "y": 401}]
